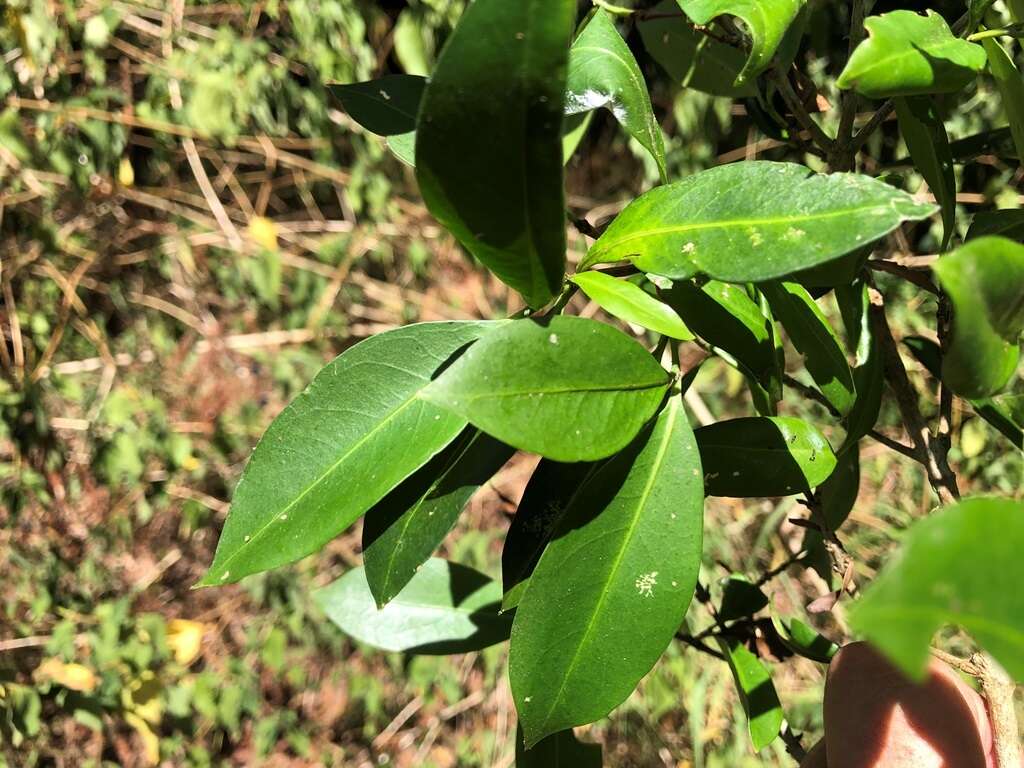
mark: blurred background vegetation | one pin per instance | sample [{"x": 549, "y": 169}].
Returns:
[{"x": 189, "y": 229}]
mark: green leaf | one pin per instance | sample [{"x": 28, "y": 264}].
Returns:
[
  {"x": 740, "y": 599},
  {"x": 612, "y": 587},
  {"x": 761, "y": 456},
  {"x": 335, "y": 451},
  {"x": 813, "y": 337},
  {"x": 730, "y": 321},
  {"x": 983, "y": 280},
  {"x": 489, "y": 140},
  {"x": 766, "y": 22},
  {"x": 573, "y": 131},
  {"x": 1011, "y": 88},
  {"x": 925, "y": 135},
  {"x": 632, "y": 303},
  {"x": 567, "y": 388},
  {"x": 551, "y": 490},
  {"x": 603, "y": 73},
  {"x": 403, "y": 146},
  {"x": 446, "y": 608},
  {"x": 404, "y": 528},
  {"x": 411, "y": 48},
  {"x": 692, "y": 59},
  {"x": 560, "y": 750},
  {"x": 752, "y": 222},
  {"x": 907, "y": 54},
  {"x": 1004, "y": 413},
  {"x": 387, "y": 106},
  {"x": 1008, "y": 223},
  {"x": 804, "y": 641},
  {"x": 838, "y": 495},
  {"x": 869, "y": 375},
  {"x": 757, "y": 692},
  {"x": 959, "y": 566}
]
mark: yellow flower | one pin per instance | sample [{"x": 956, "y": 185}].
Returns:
[
  {"x": 73, "y": 676},
  {"x": 184, "y": 638},
  {"x": 264, "y": 232}
]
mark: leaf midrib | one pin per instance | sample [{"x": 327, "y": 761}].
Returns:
[
  {"x": 731, "y": 223},
  {"x": 491, "y": 394}
]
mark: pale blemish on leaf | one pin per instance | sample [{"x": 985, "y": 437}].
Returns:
[{"x": 645, "y": 584}]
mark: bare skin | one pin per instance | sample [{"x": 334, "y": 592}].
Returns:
[{"x": 875, "y": 717}]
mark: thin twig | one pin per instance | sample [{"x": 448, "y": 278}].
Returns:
[
  {"x": 928, "y": 452},
  {"x": 800, "y": 112},
  {"x": 921, "y": 278}
]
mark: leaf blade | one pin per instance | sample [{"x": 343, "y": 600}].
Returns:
[
  {"x": 753, "y": 222},
  {"x": 763, "y": 456},
  {"x": 633, "y": 569},
  {"x": 632, "y": 303},
  {"x": 534, "y": 387},
  {"x": 403, "y": 529},
  {"x": 604, "y": 73},
  {"x": 446, "y": 608},
  {"x": 927, "y": 586},
  {"x": 767, "y": 21},
  {"x": 284, "y": 509},
  {"x": 983, "y": 280},
  {"x": 906, "y": 54},
  {"x": 511, "y": 58}
]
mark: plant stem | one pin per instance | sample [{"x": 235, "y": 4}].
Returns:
[
  {"x": 801, "y": 114},
  {"x": 841, "y": 158},
  {"x": 998, "y": 689},
  {"x": 929, "y": 452},
  {"x": 618, "y": 10}
]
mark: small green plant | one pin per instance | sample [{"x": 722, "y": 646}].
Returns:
[{"x": 603, "y": 557}]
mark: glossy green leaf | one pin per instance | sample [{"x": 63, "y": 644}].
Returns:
[
  {"x": 403, "y": 146},
  {"x": 925, "y": 135},
  {"x": 1004, "y": 413},
  {"x": 740, "y": 599},
  {"x": 813, "y": 337},
  {"x": 766, "y": 22},
  {"x": 632, "y": 303},
  {"x": 335, "y": 451},
  {"x": 761, "y": 456},
  {"x": 552, "y": 488},
  {"x": 837, "y": 496},
  {"x": 560, "y": 750},
  {"x": 1008, "y": 223},
  {"x": 489, "y": 140},
  {"x": 752, "y": 222},
  {"x": 1011, "y": 88},
  {"x": 567, "y": 388},
  {"x": 803, "y": 640},
  {"x": 446, "y": 608},
  {"x": 983, "y": 280},
  {"x": 757, "y": 692},
  {"x": 404, "y": 528},
  {"x": 573, "y": 131},
  {"x": 906, "y": 54},
  {"x": 959, "y": 566},
  {"x": 692, "y": 59},
  {"x": 387, "y": 106},
  {"x": 603, "y": 73},
  {"x": 730, "y": 321},
  {"x": 612, "y": 587}
]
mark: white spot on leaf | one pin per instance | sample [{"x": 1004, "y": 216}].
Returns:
[{"x": 645, "y": 584}]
